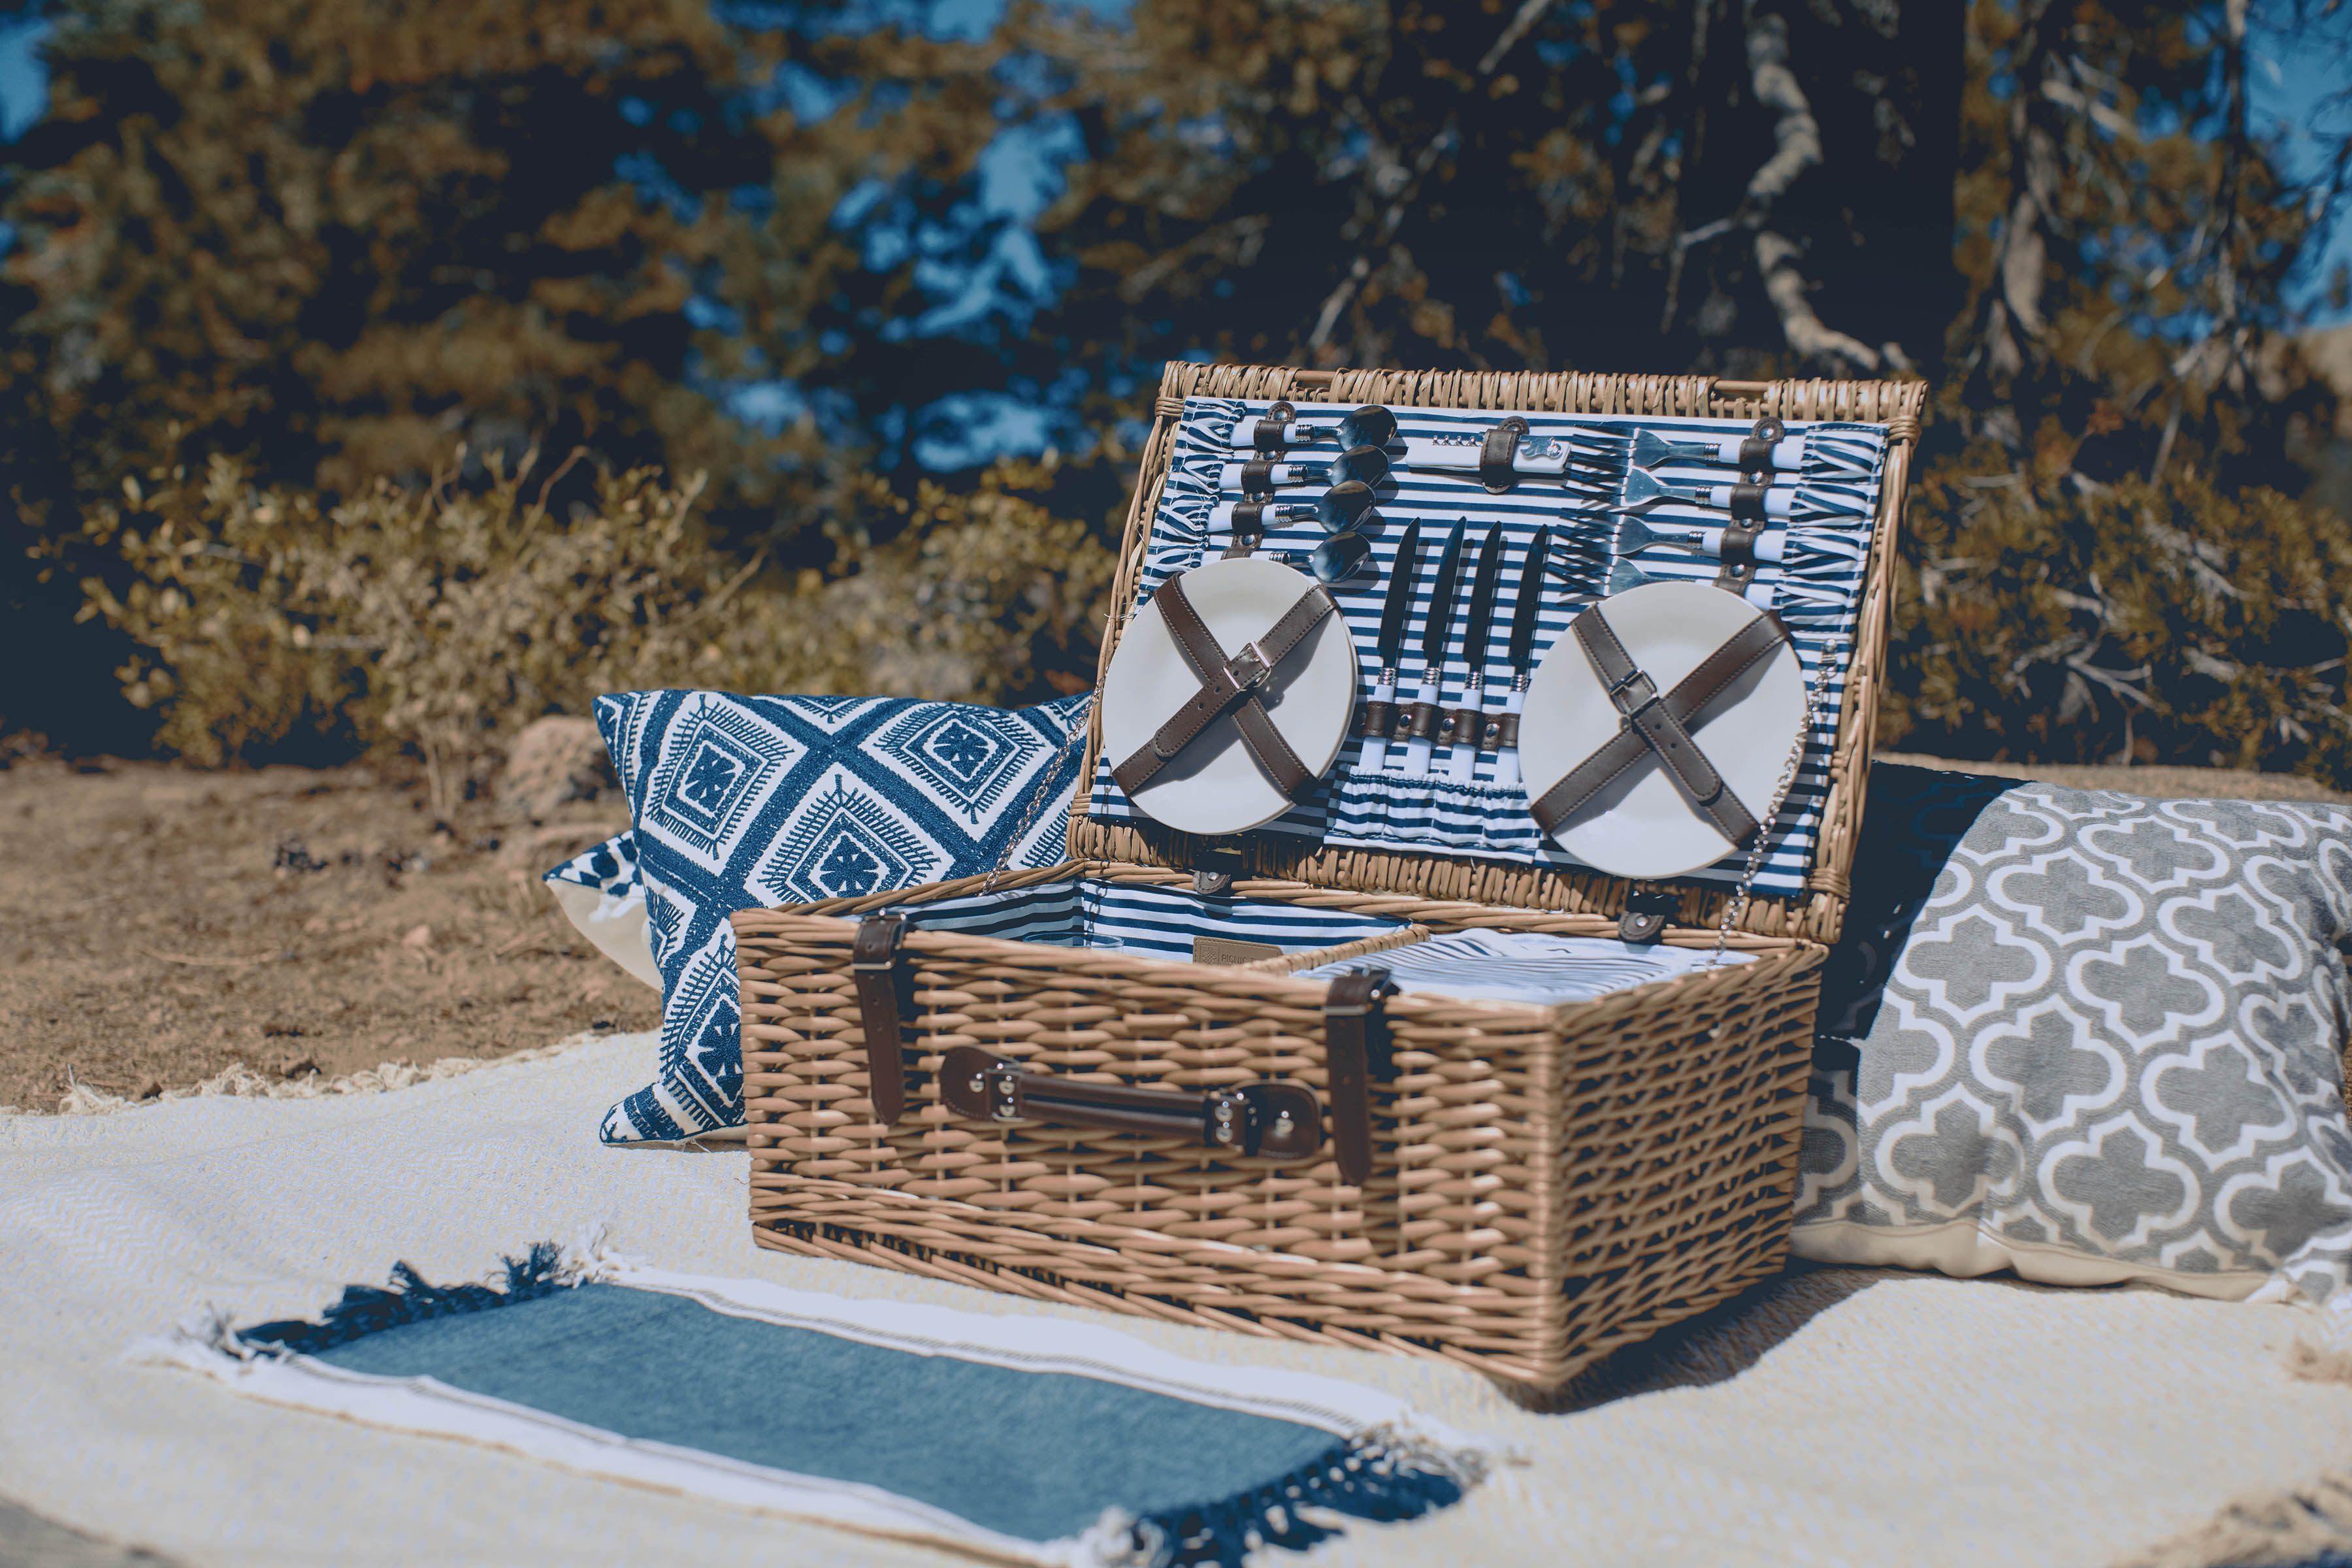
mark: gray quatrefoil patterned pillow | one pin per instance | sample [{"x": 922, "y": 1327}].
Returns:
[{"x": 2088, "y": 1036}]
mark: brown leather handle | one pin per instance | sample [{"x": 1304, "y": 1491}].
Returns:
[{"x": 1269, "y": 1120}]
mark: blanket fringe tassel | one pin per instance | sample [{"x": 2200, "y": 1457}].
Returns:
[{"x": 1382, "y": 1475}]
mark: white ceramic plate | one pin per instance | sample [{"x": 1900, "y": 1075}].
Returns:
[
  {"x": 1214, "y": 785},
  {"x": 1642, "y": 824}
]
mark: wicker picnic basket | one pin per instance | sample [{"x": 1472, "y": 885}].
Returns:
[{"x": 1542, "y": 1185}]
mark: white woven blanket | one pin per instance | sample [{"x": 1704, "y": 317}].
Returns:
[{"x": 1843, "y": 1416}]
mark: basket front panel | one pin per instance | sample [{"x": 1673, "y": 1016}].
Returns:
[
  {"x": 1548, "y": 1182},
  {"x": 1452, "y": 1237}
]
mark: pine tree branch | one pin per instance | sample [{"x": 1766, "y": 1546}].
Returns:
[
  {"x": 1796, "y": 147},
  {"x": 1796, "y": 134},
  {"x": 2011, "y": 325},
  {"x": 1404, "y": 186},
  {"x": 1784, "y": 285},
  {"x": 1528, "y": 16}
]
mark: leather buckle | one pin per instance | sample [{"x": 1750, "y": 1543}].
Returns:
[
  {"x": 1645, "y": 915},
  {"x": 1228, "y": 1114},
  {"x": 1379, "y": 993},
  {"x": 1633, "y": 693},
  {"x": 883, "y": 931},
  {"x": 1248, "y": 668},
  {"x": 1003, "y": 1087}
]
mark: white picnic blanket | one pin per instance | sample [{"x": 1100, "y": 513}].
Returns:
[{"x": 1844, "y": 1416}]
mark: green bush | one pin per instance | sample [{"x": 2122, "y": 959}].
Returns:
[
  {"x": 435, "y": 624},
  {"x": 2065, "y": 621}
]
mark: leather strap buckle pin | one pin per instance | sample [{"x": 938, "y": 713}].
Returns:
[
  {"x": 1634, "y": 692},
  {"x": 1229, "y": 1120},
  {"x": 1002, "y": 1087},
  {"x": 1249, "y": 667}
]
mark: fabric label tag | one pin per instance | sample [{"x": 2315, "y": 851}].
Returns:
[{"x": 1225, "y": 950}]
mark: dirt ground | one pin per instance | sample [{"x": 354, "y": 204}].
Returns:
[{"x": 158, "y": 925}]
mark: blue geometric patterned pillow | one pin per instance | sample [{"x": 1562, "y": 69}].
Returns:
[
  {"x": 601, "y": 894},
  {"x": 745, "y": 801},
  {"x": 609, "y": 869}
]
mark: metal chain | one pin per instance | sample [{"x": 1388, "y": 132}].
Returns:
[
  {"x": 1768, "y": 428},
  {"x": 1078, "y": 740},
  {"x": 1737, "y": 907}
]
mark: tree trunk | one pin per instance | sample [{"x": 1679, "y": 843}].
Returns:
[{"x": 1817, "y": 197}]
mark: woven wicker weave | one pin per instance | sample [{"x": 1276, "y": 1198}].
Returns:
[{"x": 1548, "y": 1183}]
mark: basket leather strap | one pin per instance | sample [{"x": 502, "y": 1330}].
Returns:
[
  {"x": 1249, "y": 528},
  {"x": 1463, "y": 726},
  {"x": 1737, "y": 551},
  {"x": 1497, "y": 457},
  {"x": 1228, "y": 685},
  {"x": 874, "y": 969},
  {"x": 1272, "y": 431},
  {"x": 1660, "y": 724},
  {"x": 1355, "y": 1050}
]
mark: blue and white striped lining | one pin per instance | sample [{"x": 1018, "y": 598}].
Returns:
[
  {"x": 1150, "y": 922},
  {"x": 1525, "y": 966},
  {"x": 1818, "y": 591}
]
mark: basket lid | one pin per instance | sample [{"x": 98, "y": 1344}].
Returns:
[{"x": 1815, "y": 912}]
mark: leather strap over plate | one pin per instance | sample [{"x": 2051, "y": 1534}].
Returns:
[
  {"x": 1498, "y": 469},
  {"x": 874, "y": 968},
  {"x": 1660, "y": 724},
  {"x": 1228, "y": 685},
  {"x": 1355, "y": 1051}
]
